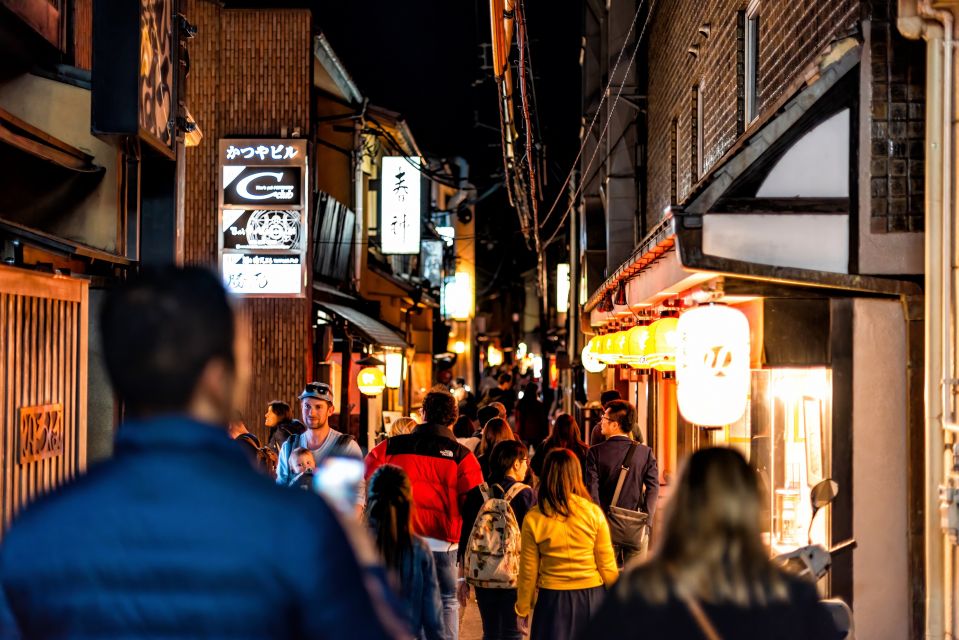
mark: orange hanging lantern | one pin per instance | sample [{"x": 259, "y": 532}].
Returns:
[{"x": 371, "y": 381}]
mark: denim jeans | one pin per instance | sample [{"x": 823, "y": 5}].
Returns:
[
  {"x": 446, "y": 576},
  {"x": 498, "y": 615}
]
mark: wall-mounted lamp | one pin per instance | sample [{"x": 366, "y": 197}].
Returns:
[{"x": 620, "y": 299}]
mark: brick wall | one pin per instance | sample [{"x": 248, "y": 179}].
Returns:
[
  {"x": 791, "y": 35},
  {"x": 250, "y": 76},
  {"x": 898, "y": 125}
]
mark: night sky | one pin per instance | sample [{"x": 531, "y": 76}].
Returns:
[{"x": 423, "y": 59}]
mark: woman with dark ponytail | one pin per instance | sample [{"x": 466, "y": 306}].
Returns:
[{"x": 389, "y": 515}]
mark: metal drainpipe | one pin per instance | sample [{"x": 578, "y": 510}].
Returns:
[
  {"x": 359, "y": 193},
  {"x": 919, "y": 20}
]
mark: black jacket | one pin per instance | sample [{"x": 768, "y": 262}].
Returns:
[
  {"x": 282, "y": 432},
  {"x": 641, "y": 488}
]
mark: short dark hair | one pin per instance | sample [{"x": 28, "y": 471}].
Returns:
[
  {"x": 622, "y": 413},
  {"x": 463, "y": 428},
  {"x": 486, "y": 414},
  {"x": 281, "y": 410},
  {"x": 439, "y": 407},
  {"x": 608, "y": 396},
  {"x": 505, "y": 453},
  {"x": 160, "y": 331},
  {"x": 505, "y": 377}
]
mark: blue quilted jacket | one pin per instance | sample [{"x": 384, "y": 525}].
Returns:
[{"x": 177, "y": 536}]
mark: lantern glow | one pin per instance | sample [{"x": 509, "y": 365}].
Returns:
[
  {"x": 664, "y": 340},
  {"x": 494, "y": 357},
  {"x": 370, "y": 381},
  {"x": 712, "y": 365},
  {"x": 588, "y": 357},
  {"x": 637, "y": 347}
]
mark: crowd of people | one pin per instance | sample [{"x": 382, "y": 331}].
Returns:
[{"x": 179, "y": 535}]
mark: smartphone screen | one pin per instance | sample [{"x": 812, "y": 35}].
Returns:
[{"x": 338, "y": 480}]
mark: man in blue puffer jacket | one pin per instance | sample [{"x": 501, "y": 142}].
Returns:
[{"x": 175, "y": 536}]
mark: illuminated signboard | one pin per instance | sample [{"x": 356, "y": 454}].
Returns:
[
  {"x": 263, "y": 214},
  {"x": 402, "y": 206}
]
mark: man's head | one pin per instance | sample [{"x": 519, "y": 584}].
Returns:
[
  {"x": 169, "y": 341},
  {"x": 316, "y": 403},
  {"x": 439, "y": 408},
  {"x": 505, "y": 381},
  {"x": 618, "y": 418},
  {"x": 302, "y": 460},
  {"x": 487, "y": 413},
  {"x": 608, "y": 396}
]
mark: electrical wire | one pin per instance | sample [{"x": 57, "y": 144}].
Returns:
[
  {"x": 579, "y": 188},
  {"x": 599, "y": 108}
]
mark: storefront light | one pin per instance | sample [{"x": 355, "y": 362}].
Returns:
[
  {"x": 664, "y": 344},
  {"x": 712, "y": 365},
  {"x": 562, "y": 287},
  {"x": 494, "y": 357},
  {"x": 459, "y": 347},
  {"x": 521, "y": 350},
  {"x": 370, "y": 381},
  {"x": 394, "y": 369},
  {"x": 459, "y": 296},
  {"x": 537, "y": 366}
]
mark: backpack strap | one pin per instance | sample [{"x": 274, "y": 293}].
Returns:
[
  {"x": 342, "y": 441},
  {"x": 624, "y": 469},
  {"x": 484, "y": 491},
  {"x": 514, "y": 491}
]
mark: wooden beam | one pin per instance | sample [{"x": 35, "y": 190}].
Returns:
[{"x": 781, "y": 205}]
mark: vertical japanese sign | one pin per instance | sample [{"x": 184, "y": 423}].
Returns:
[
  {"x": 263, "y": 214},
  {"x": 402, "y": 206}
]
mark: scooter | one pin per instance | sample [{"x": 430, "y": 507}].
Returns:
[{"x": 814, "y": 561}]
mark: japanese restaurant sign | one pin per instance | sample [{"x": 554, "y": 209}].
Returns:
[
  {"x": 263, "y": 214},
  {"x": 402, "y": 205}
]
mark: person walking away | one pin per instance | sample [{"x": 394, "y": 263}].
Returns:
[
  {"x": 503, "y": 393},
  {"x": 389, "y": 516},
  {"x": 712, "y": 569},
  {"x": 442, "y": 473},
  {"x": 463, "y": 430},
  {"x": 485, "y": 546},
  {"x": 604, "y": 467},
  {"x": 487, "y": 413},
  {"x": 402, "y": 425},
  {"x": 175, "y": 535},
  {"x": 566, "y": 554},
  {"x": 532, "y": 421},
  {"x": 279, "y": 420},
  {"x": 496, "y": 430},
  {"x": 596, "y": 435},
  {"x": 316, "y": 404},
  {"x": 262, "y": 458},
  {"x": 565, "y": 435}
]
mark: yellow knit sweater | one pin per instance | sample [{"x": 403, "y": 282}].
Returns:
[{"x": 564, "y": 553}]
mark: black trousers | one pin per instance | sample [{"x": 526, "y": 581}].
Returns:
[{"x": 498, "y": 615}]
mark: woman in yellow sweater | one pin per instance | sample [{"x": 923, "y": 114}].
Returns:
[{"x": 566, "y": 553}]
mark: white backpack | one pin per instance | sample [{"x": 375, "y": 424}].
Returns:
[{"x": 492, "y": 553}]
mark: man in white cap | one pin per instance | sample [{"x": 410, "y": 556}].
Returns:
[{"x": 316, "y": 404}]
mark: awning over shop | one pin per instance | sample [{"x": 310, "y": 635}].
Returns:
[{"x": 374, "y": 330}]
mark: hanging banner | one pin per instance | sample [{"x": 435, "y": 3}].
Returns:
[
  {"x": 263, "y": 213},
  {"x": 402, "y": 205}
]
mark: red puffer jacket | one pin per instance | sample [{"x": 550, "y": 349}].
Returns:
[{"x": 442, "y": 472}]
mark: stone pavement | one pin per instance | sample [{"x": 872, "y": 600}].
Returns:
[{"x": 471, "y": 627}]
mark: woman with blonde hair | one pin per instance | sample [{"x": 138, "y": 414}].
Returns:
[
  {"x": 565, "y": 552},
  {"x": 402, "y": 426},
  {"x": 711, "y": 576}
]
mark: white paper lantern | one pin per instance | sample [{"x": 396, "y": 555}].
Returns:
[
  {"x": 394, "y": 369},
  {"x": 712, "y": 365},
  {"x": 590, "y": 363}
]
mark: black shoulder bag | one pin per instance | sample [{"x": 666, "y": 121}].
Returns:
[{"x": 628, "y": 528}]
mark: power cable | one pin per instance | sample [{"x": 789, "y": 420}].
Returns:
[
  {"x": 599, "y": 107},
  {"x": 579, "y": 188}
]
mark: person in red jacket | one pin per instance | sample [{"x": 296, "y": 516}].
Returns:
[{"x": 442, "y": 472}]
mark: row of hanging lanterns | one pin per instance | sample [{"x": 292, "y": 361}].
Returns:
[
  {"x": 641, "y": 347},
  {"x": 707, "y": 347}
]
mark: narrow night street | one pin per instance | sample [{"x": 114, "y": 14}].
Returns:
[{"x": 479, "y": 320}]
